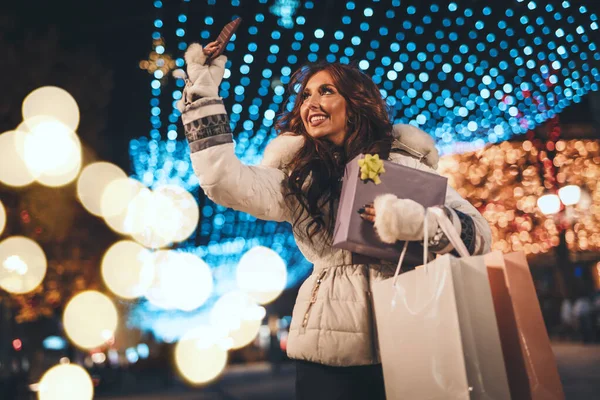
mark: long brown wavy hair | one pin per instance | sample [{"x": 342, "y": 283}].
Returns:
[{"x": 316, "y": 170}]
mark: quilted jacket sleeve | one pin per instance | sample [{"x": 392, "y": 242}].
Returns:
[
  {"x": 474, "y": 230},
  {"x": 256, "y": 190}
]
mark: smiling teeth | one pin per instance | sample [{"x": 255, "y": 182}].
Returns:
[{"x": 317, "y": 118}]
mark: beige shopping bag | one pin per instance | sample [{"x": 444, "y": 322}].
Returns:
[
  {"x": 530, "y": 362},
  {"x": 437, "y": 331}
]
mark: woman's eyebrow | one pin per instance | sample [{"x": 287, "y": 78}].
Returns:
[{"x": 324, "y": 85}]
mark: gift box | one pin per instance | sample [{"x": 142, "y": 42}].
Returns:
[{"x": 357, "y": 235}]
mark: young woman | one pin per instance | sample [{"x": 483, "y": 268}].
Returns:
[{"x": 338, "y": 113}]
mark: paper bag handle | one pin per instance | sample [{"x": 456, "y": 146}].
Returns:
[{"x": 446, "y": 225}]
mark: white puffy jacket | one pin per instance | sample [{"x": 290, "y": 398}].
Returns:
[{"x": 332, "y": 321}]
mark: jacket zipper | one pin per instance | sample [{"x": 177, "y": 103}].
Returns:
[
  {"x": 374, "y": 344},
  {"x": 374, "y": 336},
  {"x": 313, "y": 298}
]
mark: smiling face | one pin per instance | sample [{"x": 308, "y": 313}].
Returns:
[{"x": 323, "y": 109}]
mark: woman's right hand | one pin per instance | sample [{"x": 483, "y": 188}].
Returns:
[
  {"x": 211, "y": 48},
  {"x": 204, "y": 80}
]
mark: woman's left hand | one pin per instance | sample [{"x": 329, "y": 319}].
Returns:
[
  {"x": 367, "y": 212},
  {"x": 397, "y": 219}
]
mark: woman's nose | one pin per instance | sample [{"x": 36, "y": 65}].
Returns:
[{"x": 314, "y": 101}]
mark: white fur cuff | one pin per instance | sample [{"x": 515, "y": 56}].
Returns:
[
  {"x": 385, "y": 218},
  {"x": 400, "y": 219},
  {"x": 195, "y": 55},
  {"x": 280, "y": 151}
]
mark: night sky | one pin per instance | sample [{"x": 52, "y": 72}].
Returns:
[{"x": 115, "y": 32}]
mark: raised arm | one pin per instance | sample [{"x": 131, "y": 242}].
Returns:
[{"x": 256, "y": 190}]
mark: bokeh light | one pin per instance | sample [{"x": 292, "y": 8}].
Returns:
[
  {"x": 199, "y": 357},
  {"x": 92, "y": 182},
  {"x": 182, "y": 281},
  {"x": 115, "y": 203},
  {"x": 162, "y": 216},
  {"x": 51, "y": 150},
  {"x": 66, "y": 382},
  {"x": 569, "y": 195},
  {"x": 506, "y": 180},
  {"x": 22, "y": 264},
  {"x": 127, "y": 269},
  {"x": 238, "y": 315},
  {"x": 90, "y": 319},
  {"x": 13, "y": 170},
  {"x": 248, "y": 329},
  {"x": 262, "y": 274},
  {"x": 549, "y": 204},
  {"x": 145, "y": 216},
  {"x": 2, "y": 217},
  {"x": 180, "y": 220},
  {"x": 52, "y": 101}
]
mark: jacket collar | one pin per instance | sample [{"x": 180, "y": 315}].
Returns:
[{"x": 407, "y": 139}]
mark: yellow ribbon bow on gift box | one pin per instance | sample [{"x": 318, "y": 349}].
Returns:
[{"x": 370, "y": 168}]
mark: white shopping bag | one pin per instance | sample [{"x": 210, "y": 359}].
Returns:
[{"x": 437, "y": 331}]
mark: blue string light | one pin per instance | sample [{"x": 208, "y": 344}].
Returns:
[{"x": 465, "y": 75}]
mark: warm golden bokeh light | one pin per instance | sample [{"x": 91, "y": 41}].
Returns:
[
  {"x": 247, "y": 331},
  {"x": 66, "y": 382},
  {"x": 2, "y": 217},
  {"x": 199, "y": 357},
  {"x": 163, "y": 216},
  {"x": 13, "y": 170},
  {"x": 127, "y": 269},
  {"x": 549, "y": 204},
  {"x": 51, "y": 150},
  {"x": 163, "y": 62},
  {"x": 90, "y": 319},
  {"x": 505, "y": 181},
  {"x": 177, "y": 223},
  {"x": 570, "y": 195},
  {"x": 22, "y": 264},
  {"x": 182, "y": 281},
  {"x": 115, "y": 201},
  {"x": 238, "y": 315},
  {"x": 54, "y": 102},
  {"x": 92, "y": 182},
  {"x": 146, "y": 214},
  {"x": 262, "y": 274}
]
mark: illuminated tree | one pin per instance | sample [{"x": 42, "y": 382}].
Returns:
[{"x": 504, "y": 182}]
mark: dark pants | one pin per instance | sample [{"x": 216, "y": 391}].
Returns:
[{"x": 317, "y": 381}]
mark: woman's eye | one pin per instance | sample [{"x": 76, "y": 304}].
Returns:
[{"x": 305, "y": 95}]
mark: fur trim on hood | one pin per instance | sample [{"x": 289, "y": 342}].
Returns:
[
  {"x": 280, "y": 151},
  {"x": 194, "y": 55},
  {"x": 417, "y": 143},
  {"x": 407, "y": 138}
]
